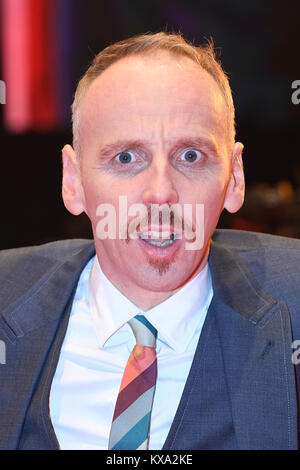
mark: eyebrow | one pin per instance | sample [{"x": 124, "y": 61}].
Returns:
[
  {"x": 198, "y": 142},
  {"x": 122, "y": 145}
]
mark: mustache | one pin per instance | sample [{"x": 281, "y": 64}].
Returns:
[{"x": 169, "y": 217}]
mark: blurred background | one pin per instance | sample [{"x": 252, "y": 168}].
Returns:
[{"x": 46, "y": 45}]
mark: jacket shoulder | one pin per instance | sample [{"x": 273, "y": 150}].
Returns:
[
  {"x": 241, "y": 240},
  {"x": 267, "y": 256},
  {"x": 273, "y": 260},
  {"x": 56, "y": 251},
  {"x": 27, "y": 270}
]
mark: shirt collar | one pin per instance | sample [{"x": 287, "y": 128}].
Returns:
[{"x": 181, "y": 312}]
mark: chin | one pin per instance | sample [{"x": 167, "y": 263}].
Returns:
[{"x": 162, "y": 278}]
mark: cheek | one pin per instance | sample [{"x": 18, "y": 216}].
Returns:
[
  {"x": 93, "y": 200},
  {"x": 213, "y": 201},
  {"x": 208, "y": 191},
  {"x": 111, "y": 201},
  {"x": 97, "y": 190},
  {"x": 212, "y": 197}
]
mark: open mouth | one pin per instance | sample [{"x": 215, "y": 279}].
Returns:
[{"x": 159, "y": 239}]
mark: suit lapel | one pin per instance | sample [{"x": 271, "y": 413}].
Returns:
[
  {"x": 51, "y": 284},
  {"x": 255, "y": 336}
]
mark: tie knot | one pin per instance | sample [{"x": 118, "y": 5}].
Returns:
[{"x": 145, "y": 333}]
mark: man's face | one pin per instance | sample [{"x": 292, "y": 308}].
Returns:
[{"x": 154, "y": 129}]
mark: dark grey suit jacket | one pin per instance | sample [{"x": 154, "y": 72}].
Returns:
[{"x": 256, "y": 316}]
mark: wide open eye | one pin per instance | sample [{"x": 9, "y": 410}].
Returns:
[
  {"x": 125, "y": 157},
  {"x": 191, "y": 155}
]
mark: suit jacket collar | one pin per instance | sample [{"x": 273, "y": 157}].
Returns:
[
  {"x": 255, "y": 335},
  {"x": 51, "y": 282}
]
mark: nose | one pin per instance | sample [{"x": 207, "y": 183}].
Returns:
[{"x": 160, "y": 187}]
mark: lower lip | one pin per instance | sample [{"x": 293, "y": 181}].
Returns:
[{"x": 157, "y": 251}]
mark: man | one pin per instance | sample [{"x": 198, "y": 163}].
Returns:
[{"x": 153, "y": 125}]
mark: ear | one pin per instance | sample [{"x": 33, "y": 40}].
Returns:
[
  {"x": 235, "y": 192},
  {"x": 72, "y": 191}
]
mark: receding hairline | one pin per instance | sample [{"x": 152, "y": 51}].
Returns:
[{"x": 147, "y": 45}]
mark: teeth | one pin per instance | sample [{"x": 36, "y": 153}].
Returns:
[
  {"x": 161, "y": 244},
  {"x": 159, "y": 235}
]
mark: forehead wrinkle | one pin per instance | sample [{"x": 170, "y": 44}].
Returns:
[
  {"x": 212, "y": 120},
  {"x": 196, "y": 135}
]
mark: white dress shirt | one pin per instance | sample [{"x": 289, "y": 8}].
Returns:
[{"x": 96, "y": 348}]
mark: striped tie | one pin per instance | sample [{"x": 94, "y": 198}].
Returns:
[{"x": 131, "y": 420}]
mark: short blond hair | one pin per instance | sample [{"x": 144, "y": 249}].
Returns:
[{"x": 174, "y": 43}]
